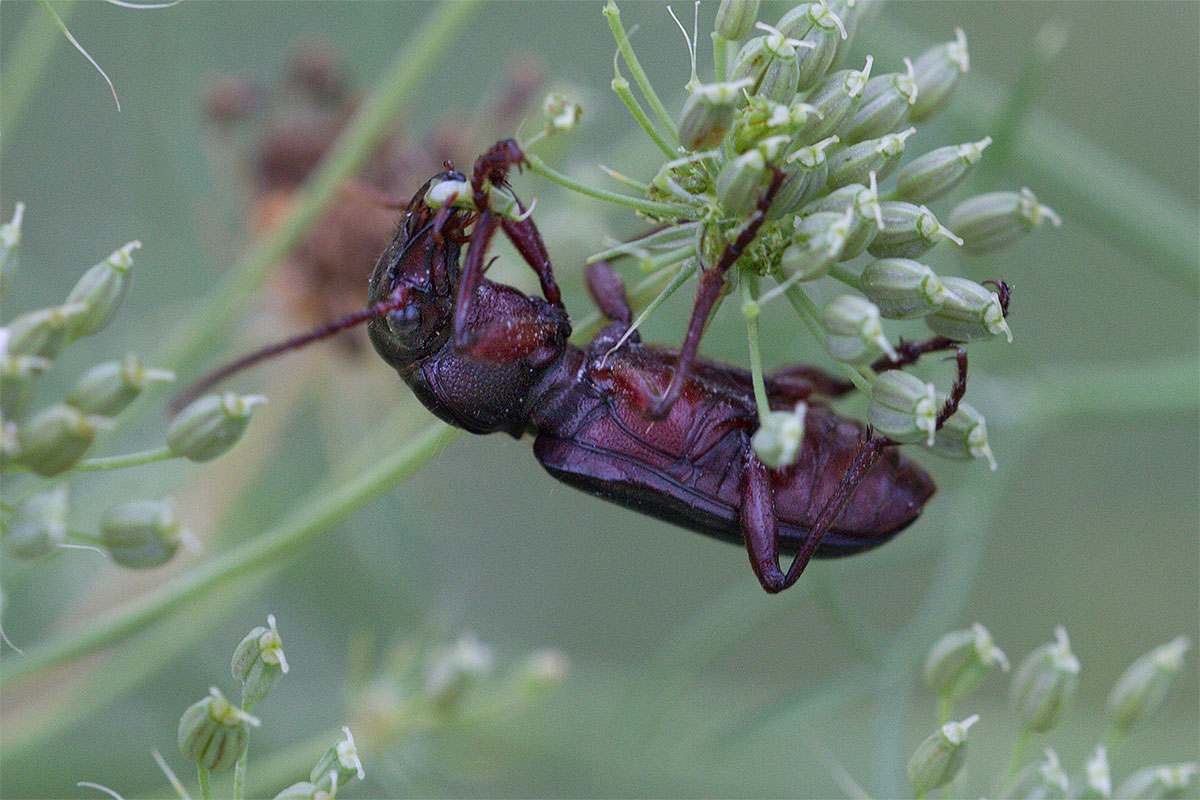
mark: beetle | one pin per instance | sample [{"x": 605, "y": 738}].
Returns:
[{"x": 488, "y": 358}]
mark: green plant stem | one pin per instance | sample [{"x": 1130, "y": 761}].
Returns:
[
  {"x": 258, "y": 554},
  {"x": 613, "y": 15},
  {"x": 205, "y": 782},
  {"x": 621, "y": 87},
  {"x": 26, "y": 61},
  {"x": 1145, "y": 219},
  {"x": 666, "y": 210},
  {"x": 239, "y": 769},
  {"x": 124, "y": 460},
  {"x": 750, "y": 309},
  {"x": 811, "y": 317},
  {"x": 719, "y": 46},
  {"x": 846, "y": 276},
  {"x": 1015, "y": 757},
  {"x": 412, "y": 63},
  {"x": 1166, "y": 386}
]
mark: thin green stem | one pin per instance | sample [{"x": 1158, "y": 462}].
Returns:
[
  {"x": 217, "y": 311},
  {"x": 750, "y": 310},
  {"x": 666, "y": 258},
  {"x": 260, "y": 553},
  {"x": 1015, "y": 757},
  {"x": 613, "y": 15},
  {"x": 621, "y": 87},
  {"x": 661, "y": 210},
  {"x": 239, "y": 769},
  {"x": 811, "y": 317},
  {"x": 719, "y": 47},
  {"x": 205, "y": 782},
  {"x": 945, "y": 708},
  {"x": 26, "y": 61},
  {"x": 124, "y": 460},
  {"x": 846, "y": 276}
]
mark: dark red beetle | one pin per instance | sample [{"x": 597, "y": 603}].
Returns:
[{"x": 485, "y": 357}]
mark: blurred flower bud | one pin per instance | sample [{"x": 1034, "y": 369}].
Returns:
[
  {"x": 805, "y": 179},
  {"x": 303, "y": 790},
  {"x": 16, "y": 378},
  {"x": 928, "y": 177},
  {"x": 853, "y": 332},
  {"x": 108, "y": 389},
  {"x": 39, "y": 525},
  {"x": 258, "y": 660},
  {"x": 1157, "y": 783},
  {"x": 902, "y": 288},
  {"x": 957, "y": 661},
  {"x": 989, "y": 222},
  {"x": 834, "y": 99},
  {"x": 57, "y": 437},
  {"x": 1097, "y": 779},
  {"x": 760, "y": 118},
  {"x": 1041, "y": 780},
  {"x": 964, "y": 436},
  {"x": 45, "y": 332},
  {"x": 741, "y": 182},
  {"x": 142, "y": 533},
  {"x": 855, "y": 164},
  {"x": 452, "y": 670},
  {"x": 10, "y": 241},
  {"x": 884, "y": 107},
  {"x": 544, "y": 670},
  {"x": 736, "y": 18},
  {"x": 969, "y": 311},
  {"x": 708, "y": 113},
  {"x": 1045, "y": 683},
  {"x": 211, "y": 425},
  {"x": 1140, "y": 690},
  {"x": 817, "y": 241},
  {"x": 214, "y": 733},
  {"x": 939, "y": 758},
  {"x": 338, "y": 764},
  {"x": 101, "y": 289},
  {"x": 903, "y": 407},
  {"x": 779, "y": 437},
  {"x": 908, "y": 231},
  {"x": 561, "y": 113},
  {"x": 936, "y": 72}
]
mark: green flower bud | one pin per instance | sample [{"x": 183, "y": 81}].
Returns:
[
  {"x": 1045, "y": 683},
  {"x": 214, "y": 733},
  {"x": 736, "y": 18},
  {"x": 55, "y": 438},
  {"x": 39, "y": 525},
  {"x": 1156, "y": 783},
  {"x": 884, "y": 107},
  {"x": 902, "y": 288},
  {"x": 849, "y": 12},
  {"x": 818, "y": 25},
  {"x": 818, "y": 241},
  {"x": 16, "y": 378},
  {"x": 869, "y": 219},
  {"x": 561, "y": 113},
  {"x": 964, "y": 436},
  {"x": 939, "y": 758},
  {"x": 338, "y": 764},
  {"x": 1140, "y": 690},
  {"x": 969, "y": 311},
  {"x": 770, "y": 62},
  {"x": 934, "y": 174},
  {"x": 989, "y": 222},
  {"x": 211, "y": 425},
  {"x": 108, "y": 389},
  {"x": 258, "y": 660},
  {"x": 101, "y": 289},
  {"x": 834, "y": 99},
  {"x": 908, "y": 231},
  {"x": 1097, "y": 779},
  {"x": 10, "y": 448},
  {"x": 1041, "y": 780},
  {"x": 708, "y": 113},
  {"x": 761, "y": 118},
  {"x": 142, "y": 534},
  {"x": 10, "y": 241},
  {"x": 936, "y": 72},
  {"x": 805, "y": 181},
  {"x": 903, "y": 407},
  {"x": 779, "y": 437},
  {"x": 853, "y": 332},
  {"x": 957, "y": 661},
  {"x": 742, "y": 182},
  {"x": 452, "y": 670},
  {"x": 43, "y": 333},
  {"x": 854, "y": 164},
  {"x": 543, "y": 670},
  {"x": 304, "y": 790}
]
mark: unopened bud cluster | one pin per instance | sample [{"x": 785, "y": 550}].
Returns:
[
  {"x": 1042, "y": 687},
  {"x": 53, "y": 437},
  {"x": 783, "y": 108}
]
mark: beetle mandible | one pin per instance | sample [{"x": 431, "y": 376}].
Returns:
[{"x": 486, "y": 357}]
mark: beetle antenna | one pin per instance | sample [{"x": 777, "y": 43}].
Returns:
[{"x": 398, "y": 298}]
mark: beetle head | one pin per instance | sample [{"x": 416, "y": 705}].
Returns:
[{"x": 422, "y": 261}]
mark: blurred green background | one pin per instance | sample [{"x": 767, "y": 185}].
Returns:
[{"x": 684, "y": 678}]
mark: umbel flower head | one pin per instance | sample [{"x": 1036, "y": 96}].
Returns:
[{"x": 818, "y": 153}]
